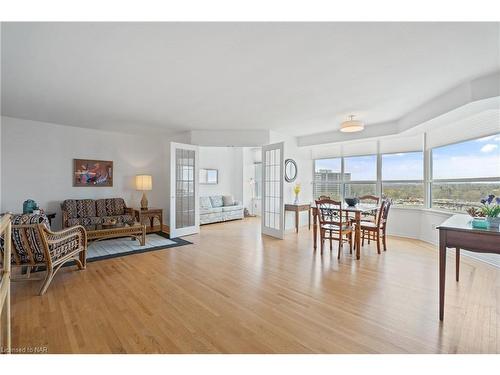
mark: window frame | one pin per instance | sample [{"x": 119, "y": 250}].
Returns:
[
  {"x": 428, "y": 170},
  {"x": 433, "y": 180}
]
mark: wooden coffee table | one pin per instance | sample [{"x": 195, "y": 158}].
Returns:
[{"x": 101, "y": 232}]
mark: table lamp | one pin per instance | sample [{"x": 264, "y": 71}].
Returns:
[{"x": 143, "y": 183}]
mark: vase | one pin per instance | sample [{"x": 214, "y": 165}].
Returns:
[
  {"x": 296, "y": 201},
  {"x": 494, "y": 222}
]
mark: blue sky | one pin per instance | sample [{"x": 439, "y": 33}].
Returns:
[
  {"x": 471, "y": 159},
  {"x": 476, "y": 158}
]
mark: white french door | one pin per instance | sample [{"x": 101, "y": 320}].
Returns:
[
  {"x": 184, "y": 192},
  {"x": 272, "y": 190}
]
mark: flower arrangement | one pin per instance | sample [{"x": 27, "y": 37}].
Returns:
[
  {"x": 296, "y": 190},
  {"x": 491, "y": 206},
  {"x": 488, "y": 215}
]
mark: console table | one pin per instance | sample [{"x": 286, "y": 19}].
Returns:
[
  {"x": 150, "y": 214},
  {"x": 297, "y": 208},
  {"x": 457, "y": 232}
]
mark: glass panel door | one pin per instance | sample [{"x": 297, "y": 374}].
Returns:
[
  {"x": 272, "y": 190},
  {"x": 184, "y": 213}
]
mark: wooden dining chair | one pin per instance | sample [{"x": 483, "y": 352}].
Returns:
[
  {"x": 377, "y": 231},
  {"x": 331, "y": 224},
  {"x": 370, "y": 199}
]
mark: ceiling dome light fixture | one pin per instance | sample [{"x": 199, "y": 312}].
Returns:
[{"x": 351, "y": 125}]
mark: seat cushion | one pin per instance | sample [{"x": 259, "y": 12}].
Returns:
[
  {"x": 336, "y": 227},
  {"x": 217, "y": 201},
  {"x": 85, "y": 208},
  {"x": 204, "y": 211},
  {"x": 205, "y": 203},
  {"x": 85, "y": 221},
  {"x": 232, "y": 208},
  {"x": 119, "y": 218},
  {"x": 368, "y": 224}
]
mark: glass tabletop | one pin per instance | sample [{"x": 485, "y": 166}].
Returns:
[{"x": 463, "y": 222}]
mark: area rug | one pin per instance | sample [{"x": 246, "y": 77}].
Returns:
[{"x": 118, "y": 247}]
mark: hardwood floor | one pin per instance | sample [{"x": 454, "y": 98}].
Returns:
[{"x": 234, "y": 292}]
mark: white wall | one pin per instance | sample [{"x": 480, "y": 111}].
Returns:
[
  {"x": 304, "y": 177},
  {"x": 37, "y": 163},
  {"x": 229, "y": 162},
  {"x": 421, "y": 224},
  {"x": 232, "y": 138}
]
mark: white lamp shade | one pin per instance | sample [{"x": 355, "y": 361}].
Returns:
[
  {"x": 351, "y": 126},
  {"x": 143, "y": 182}
]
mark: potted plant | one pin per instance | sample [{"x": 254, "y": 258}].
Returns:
[{"x": 491, "y": 210}]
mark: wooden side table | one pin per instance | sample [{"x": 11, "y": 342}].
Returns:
[
  {"x": 150, "y": 214},
  {"x": 297, "y": 208}
]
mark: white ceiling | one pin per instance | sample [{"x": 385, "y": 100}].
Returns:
[{"x": 297, "y": 78}]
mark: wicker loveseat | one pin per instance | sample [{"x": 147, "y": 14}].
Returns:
[{"x": 91, "y": 212}]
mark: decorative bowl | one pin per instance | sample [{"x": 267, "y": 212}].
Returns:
[{"x": 351, "y": 201}]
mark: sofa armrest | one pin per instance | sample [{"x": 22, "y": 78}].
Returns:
[
  {"x": 64, "y": 219},
  {"x": 129, "y": 211},
  {"x": 66, "y": 241}
]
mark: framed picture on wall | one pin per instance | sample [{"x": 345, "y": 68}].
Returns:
[
  {"x": 92, "y": 173},
  {"x": 209, "y": 176}
]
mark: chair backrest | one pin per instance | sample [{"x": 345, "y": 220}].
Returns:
[
  {"x": 369, "y": 199},
  {"x": 28, "y": 246},
  {"x": 329, "y": 212},
  {"x": 383, "y": 213},
  {"x": 323, "y": 197}
]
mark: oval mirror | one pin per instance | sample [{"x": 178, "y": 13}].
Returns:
[{"x": 290, "y": 170}]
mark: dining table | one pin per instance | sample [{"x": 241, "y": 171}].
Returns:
[{"x": 358, "y": 210}]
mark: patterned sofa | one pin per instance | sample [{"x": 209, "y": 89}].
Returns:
[
  {"x": 217, "y": 208},
  {"x": 91, "y": 212}
]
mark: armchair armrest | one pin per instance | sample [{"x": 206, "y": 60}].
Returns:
[{"x": 67, "y": 241}]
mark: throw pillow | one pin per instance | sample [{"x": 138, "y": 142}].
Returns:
[{"x": 228, "y": 200}]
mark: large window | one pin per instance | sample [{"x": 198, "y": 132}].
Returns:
[
  {"x": 463, "y": 173},
  {"x": 360, "y": 168},
  {"x": 459, "y": 175},
  {"x": 403, "y": 178},
  {"x": 327, "y": 178},
  {"x": 360, "y": 175}
]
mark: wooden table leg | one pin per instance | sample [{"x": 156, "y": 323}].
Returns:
[
  {"x": 358, "y": 234},
  {"x": 309, "y": 217},
  {"x": 457, "y": 263},
  {"x": 442, "y": 271},
  {"x": 297, "y": 213},
  {"x": 315, "y": 230}
]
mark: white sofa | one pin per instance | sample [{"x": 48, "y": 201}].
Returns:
[{"x": 217, "y": 208}]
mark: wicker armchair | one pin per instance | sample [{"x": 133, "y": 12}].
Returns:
[{"x": 35, "y": 245}]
